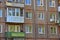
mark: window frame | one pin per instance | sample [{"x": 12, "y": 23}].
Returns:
[
  {"x": 28, "y": 31},
  {"x": 41, "y": 28},
  {"x": 40, "y": 3},
  {"x": 29, "y": 2},
  {"x": 53, "y": 16},
  {"x": 28, "y": 15},
  {"x": 15, "y": 12},
  {"x": 9, "y": 28},
  {"x": 51, "y": 3},
  {"x": 53, "y": 30},
  {"x": 41, "y": 16}
]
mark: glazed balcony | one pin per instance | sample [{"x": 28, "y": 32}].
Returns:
[
  {"x": 15, "y": 19},
  {"x": 15, "y": 4},
  {"x": 14, "y": 34}
]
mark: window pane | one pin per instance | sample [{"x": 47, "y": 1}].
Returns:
[
  {"x": 53, "y": 30},
  {"x": 28, "y": 15},
  {"x": 21, "y": 12},
  {"x": 41, "y": 30},
  {"x": 9, "y": 12},
  {"x": 17, "y": 12},
  {"x": 27, "y": 2},
  {"x": 17, "y": 28},
  {"x": 38, "y": 2},
  {"x": 41, "y": 16},
  {"x": 52, "y": 16},
  {"x": 11, "y": 28},
  {"x": 0, "y": 28},
  {"x": 13, "y": 12},
  {"x": 10, "y": 0},
  {"x": 52, "y": 3},
  {"x": 0, "y": 13},
  {"x": 28, "y": 29}
]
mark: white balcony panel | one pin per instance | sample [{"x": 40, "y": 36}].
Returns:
[
  {"x": 14, "y": 4},
  {"x": 58, "y": 8},
  {"x": 15, "y": 19}
]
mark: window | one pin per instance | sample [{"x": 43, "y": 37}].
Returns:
[
  {"x": 41, "y": 30},
  {"x": 29, "y": 15},
  {"x": 0, "y": 28},
  {"x": 14, "y": 0},
  {"x": 14, "y": 28},
  {"x": 14, "y": 12},
  {"x": 10, "y": 0},
  {"x": 53, "y": 30},
  {"x": 40, "y": 3},
  {"x": 0, "y": 12},
  {"x": 59, "y": 14},
  {"x": 28, "y": 29},
  {"x": 18, "y": 39},
  {"x": 52, "y": 3},
  {"x": 28, "y": 2},
  {"x": 52, "y": 16},
  {"x": 41, "y": 16}
]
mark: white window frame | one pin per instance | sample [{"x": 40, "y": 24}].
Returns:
[
  {"x": 53, "y": 2},
  {"x": 53, "y": 17},
  {"x": 14, "y": 28},
  {"x": 29, "y": 15},
  {"x": 1, "y": 28},
  {"x": 41, "y": 2},
  {"x": 41, "y": 30},
  {"x": 53, "y": 33},
  {"x": 28, "y": 30},
  {"x": 1, "y": 12},
  {"x": 15, "y": 12},
  {"x": 28, "y": 4},
  {"x": 41, "y": 15},
  {"x": 19, "y": 28}
]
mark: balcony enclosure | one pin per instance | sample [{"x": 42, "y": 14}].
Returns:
[{"x": 15, "y": 15}]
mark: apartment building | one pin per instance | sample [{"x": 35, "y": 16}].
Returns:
[{"x": 29, "y": 19}]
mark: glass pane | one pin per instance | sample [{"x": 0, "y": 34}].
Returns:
[
  {"x": 17, "y": 12},
  {"x": 38, "y": 2},
  {"x": 51, "y": 29},
  {"x": 39, "y": 29},
  {"x": 21, "y": 12},
  {"x": 12, "y": 28},
  {"x": 0, "y": 28},
  {"x": 13, "y": 12},
  {"x": 54, "y": 30},
  {"x": 26, "y": 29},
  {"x": 0, "y": 13},
  {"x": 9, "y": 12},
  {"x": 42, "y": 29},
  {"x": 30, "y": 15},
  {"x": 26, "y": 14},
  {"x": 30, "y": 29},
  {"x": 27, "y": 1}
]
